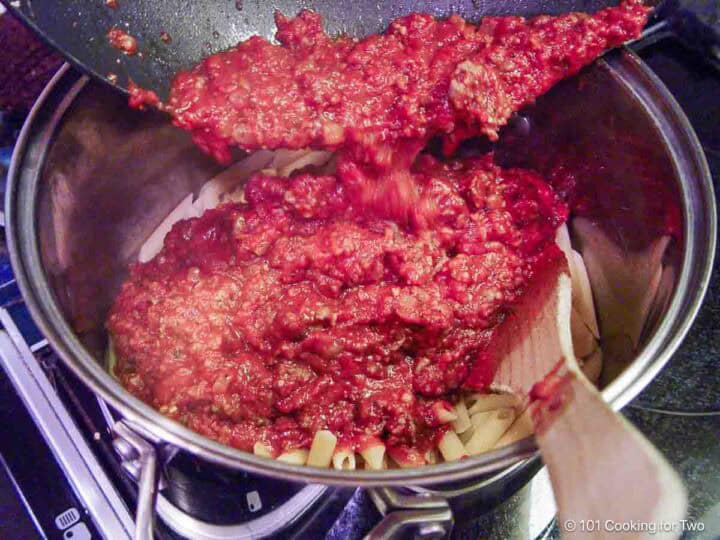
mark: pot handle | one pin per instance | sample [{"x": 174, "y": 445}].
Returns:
[
  {"x": 140, "y": 460},
  {"x": 428, "y": 515}
]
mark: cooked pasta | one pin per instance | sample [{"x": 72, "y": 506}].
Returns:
[
  {"x": 406, "y": 458},
  {"x": 489, "y": 427},
  {"x": 465, "y": 435},
  {"x": 373, "y": 452},
  {"x": 492, "y": 402},
  {"x": 451, "y": 447},
  {"x": 522, "y": 427},
  {"x": 462, "y": 420},
  {"x": 297, "y": 456},
  {"x": 344, "y": 459},
  {"x": 322, "y": 449},
  {"x": 261, "y": 449}
]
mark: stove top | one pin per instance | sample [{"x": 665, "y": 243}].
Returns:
[{"x": 60, "y": 476}]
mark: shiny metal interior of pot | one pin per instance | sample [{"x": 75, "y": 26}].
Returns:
[{"x": 96, "y": 178}]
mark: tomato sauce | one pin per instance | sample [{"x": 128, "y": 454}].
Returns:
[
  {"x": 122, "y": 41},
  {"x": 140, "y": 98},
  {"x": 301, "y": 310},
  {"x": 422, "y": 76},
  {"x": 360, "y": 302}
]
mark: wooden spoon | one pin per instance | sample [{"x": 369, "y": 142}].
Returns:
[{"x": 609, "y": 481}]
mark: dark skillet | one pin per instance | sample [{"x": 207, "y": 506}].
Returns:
[{"x": 197, "y": 28}]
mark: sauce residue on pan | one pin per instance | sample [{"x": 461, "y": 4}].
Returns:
[{"x": 122, "y": 41}]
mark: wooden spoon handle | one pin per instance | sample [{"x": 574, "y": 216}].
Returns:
[{"x": 609, "y": 481}]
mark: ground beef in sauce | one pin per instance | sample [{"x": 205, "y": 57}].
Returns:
[
  {"x": 361, "y": 302},
  {"x": 422, "y": 76},
  {"x": 297, "y": 312}
]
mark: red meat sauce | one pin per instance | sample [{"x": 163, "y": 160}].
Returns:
[
  {"x": 421, "y": 77},
  {"x": 301, "y": 310},
  {"x": 363, "y": 302},
  {"x": 122, "y": 41}
]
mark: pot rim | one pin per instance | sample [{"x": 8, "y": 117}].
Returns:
[{"x": 696, "y": 267}]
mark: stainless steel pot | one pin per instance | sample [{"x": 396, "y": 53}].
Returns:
[{"x": 91, "y": 178}]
